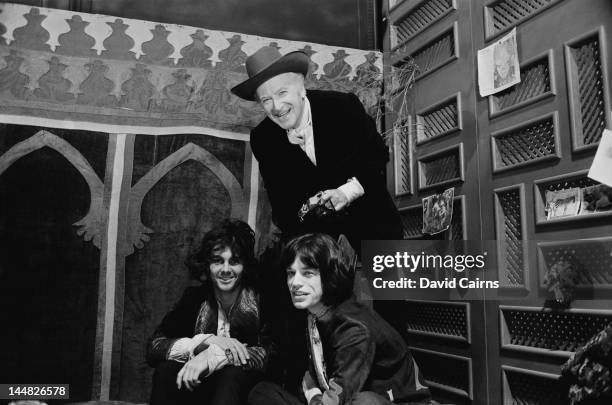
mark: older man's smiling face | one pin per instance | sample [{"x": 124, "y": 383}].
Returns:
[{"x": 282, "y": 98}]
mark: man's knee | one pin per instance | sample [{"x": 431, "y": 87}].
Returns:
[
  {"x": 370, "y": 398},
  {"x": 264, "y": 393},
  {"x": 232, "y": 384},
  {"x": 232, "y": 375},
  {"x": 164, "y": 390}
]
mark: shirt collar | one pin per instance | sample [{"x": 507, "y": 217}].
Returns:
[{"x": 296, "y": 135}]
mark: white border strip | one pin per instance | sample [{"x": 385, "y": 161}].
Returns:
[
  {"x": 111, "y": 262},
  {"x": 119, "y": 129}
]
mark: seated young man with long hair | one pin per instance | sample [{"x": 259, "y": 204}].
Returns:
[
  {"x": 211, "y": 348},
  {"x": 356, "y": 357}
]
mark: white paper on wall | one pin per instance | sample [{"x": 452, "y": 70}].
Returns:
[
  {"x": 601, "y": 168},
  {"x": 498, "y": 66}
]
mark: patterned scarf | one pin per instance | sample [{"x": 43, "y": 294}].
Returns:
[
  {"x": 244, "y": 315},
  {"x": 316, "y": 353}
]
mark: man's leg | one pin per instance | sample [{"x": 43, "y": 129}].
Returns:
[
  {"x": 268, "y": 393},
  {"x": 370, "y": 398},
  {"x": 164, "y": 390},
  {"x": 231, "y": 385}
]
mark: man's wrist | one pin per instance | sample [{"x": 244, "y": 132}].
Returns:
[
  {"x": 352, "y": 189},
  {"x": 198, "y": 344},
  {"x": 311, "y": 393}
]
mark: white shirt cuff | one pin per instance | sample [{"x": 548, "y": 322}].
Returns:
[
  {"x": 196, "y": 340},
  {"x": 310, "y": 393},
  {"x": 180, "y": 350},
  {"x": 352, "y": 189}
]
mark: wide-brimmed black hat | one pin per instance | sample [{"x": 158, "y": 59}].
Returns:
[{"x": 266, "y": 63}]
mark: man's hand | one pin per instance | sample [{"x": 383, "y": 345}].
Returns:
[
  {"x": 189, "y": 376},
  {"x": 238, "y": 350},
  {"x": 334, "y": 199}
]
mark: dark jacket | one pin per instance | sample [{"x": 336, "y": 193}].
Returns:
[
  {"x": 347, "y": 145},
  {"x": 364, "y": 353},
  {"x": 246, "y": 326}
]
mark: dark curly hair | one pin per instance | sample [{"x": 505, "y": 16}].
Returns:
[
  {"x": 320, "y": 251},
  {"x": 234, "y": 234}
]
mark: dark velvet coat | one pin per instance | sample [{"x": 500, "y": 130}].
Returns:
[
  {"x": 364, "y": 353},
  {"x": 347, "y": 145},
  {"x": 245, "y": 322}
]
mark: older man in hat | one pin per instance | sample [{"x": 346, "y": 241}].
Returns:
[
  {"x": 322, "y": 148},
  {"x": 319, "y": 148}
]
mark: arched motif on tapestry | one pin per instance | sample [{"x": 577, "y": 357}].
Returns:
[
  {"x": 90, "y": 226},
  {"x": 137, "y": 231}
]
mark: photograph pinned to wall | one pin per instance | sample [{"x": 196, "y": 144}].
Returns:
[
  {"x": 438, "y": 212},
  {"x": 563, "y": 203},
  {"x": 498, "y": 65},
  {"x": 596, "y": 198},
  {"x": 601, "y": 168}
]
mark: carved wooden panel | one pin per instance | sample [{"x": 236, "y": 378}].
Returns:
[
  {"x": 544, "y": 331},
  {"x": 458, "y": 227},
  {"x": 592, "y": 258},
  {"x": 412, "y": 219},
  {"x": 442, "y": 167},
  {"x": 526, "y": 143},
  {"x": 529, "y": 387},
  {"x": 442, "y": 118},
  {"x": 446, "y": 320},
  {"x": 502, "y": 15},
  {"x": 423, "y": 15},
  {"x": 511, "y": 236},
  {"x": 438, "y": 52},
  {"x": 587, "y": 89},
  {"x": 402, "y": 159},
  {"x": 455, "y": 377}
]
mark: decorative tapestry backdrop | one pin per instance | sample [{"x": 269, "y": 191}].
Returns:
[{"x": 125, "y": 73}]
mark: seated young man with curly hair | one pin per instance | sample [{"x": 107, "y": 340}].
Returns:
[{"x": 211, "y": 348}]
